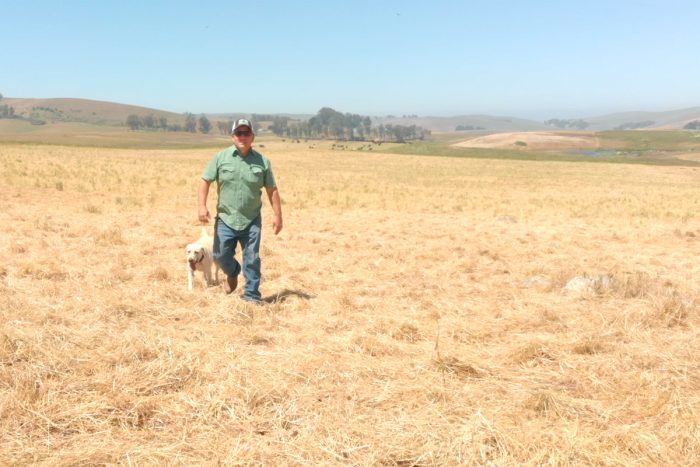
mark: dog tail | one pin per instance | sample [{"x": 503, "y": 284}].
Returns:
[{"x": 204, "y": 232}]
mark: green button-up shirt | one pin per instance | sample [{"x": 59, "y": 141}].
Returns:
[{"x": 239, "y": 181}]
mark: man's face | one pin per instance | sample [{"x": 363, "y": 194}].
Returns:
[{"x": 243, "y": 138}]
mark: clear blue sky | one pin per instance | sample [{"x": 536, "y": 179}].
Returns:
[{"x": 533, "y": 59}]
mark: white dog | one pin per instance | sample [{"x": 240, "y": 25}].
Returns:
[{"x": 200, "y": 258}]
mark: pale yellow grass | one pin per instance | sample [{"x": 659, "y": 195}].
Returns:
[
  {"x": 533, "y": 140},
  {"x": 691, "y": 156},
  {"x": 415, "y": 315}
]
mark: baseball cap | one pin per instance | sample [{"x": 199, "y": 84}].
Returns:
[{"x": 242, "y": 122}]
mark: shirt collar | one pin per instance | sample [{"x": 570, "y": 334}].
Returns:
[{"x": 237, "y": 153}]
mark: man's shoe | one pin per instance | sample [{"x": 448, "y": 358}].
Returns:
[
  {"x": 255, "y": 301},
  {"x": 231, "y": 284}
]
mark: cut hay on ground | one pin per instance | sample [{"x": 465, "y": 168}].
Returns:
[{"x": 416, "y": 314}]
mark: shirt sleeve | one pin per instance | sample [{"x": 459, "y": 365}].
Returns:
[
  {"x": 210, "y": 172},
  {"x": 269, "y": 176}
]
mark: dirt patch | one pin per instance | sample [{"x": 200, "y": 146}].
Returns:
[
  {"x": 533, "y": 140},
  {"x": 690, "y": 156}
]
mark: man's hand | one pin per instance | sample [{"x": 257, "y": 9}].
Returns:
[
  {"x": 274, "y": 195},
  {"x": 277, "y": 224},
  {"x": 202, "y": 192},
  {"x": 204, "y": 215}
]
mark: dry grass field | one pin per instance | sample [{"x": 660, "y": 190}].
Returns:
[
  {"x": 88, "y": 135},
  {"x": 534, "y": 140},
  {"x": 418, "y": 311}
]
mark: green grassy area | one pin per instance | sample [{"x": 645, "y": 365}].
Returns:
[
  {"x": 629, "y": 152},
  {"x": 648, "y": 140},
  {"x": 631, "y": 147}
]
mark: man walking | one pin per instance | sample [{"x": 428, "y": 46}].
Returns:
[{"x": 240, "y": 173}]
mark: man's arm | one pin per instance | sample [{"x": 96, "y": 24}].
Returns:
[
  {"x": 274, "y": 195},
  {"x": 202, "y": 193}
]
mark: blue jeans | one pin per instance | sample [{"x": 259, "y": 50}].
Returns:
[{"x": 225, "y": 240}]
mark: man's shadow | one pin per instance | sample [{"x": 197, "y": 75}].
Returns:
[{"x": 280, "y": 297}]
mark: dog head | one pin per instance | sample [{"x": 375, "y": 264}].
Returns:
[{"x": 195, "y": 254}]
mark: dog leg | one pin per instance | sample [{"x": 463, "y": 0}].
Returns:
[
  {"x": 207, "y": 275},
  {"x": 189, "y": 277}
]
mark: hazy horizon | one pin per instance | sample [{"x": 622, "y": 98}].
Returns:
[{"x": 535, "y": 61}]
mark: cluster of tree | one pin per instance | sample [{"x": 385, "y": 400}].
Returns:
[
  {"x": 148, "y": 122},
  {"x": 203, "y": 124},
  {"x": 151, "y": 122},
  {"x": 399, "y": 133},
  {"x": 468, "y": 128},
  {"x": 224, "y": 126},
  {"x": 262, "y": 117},
  {"x": 694, "y": 125},
  {"x": 47, "y": 109},
  {"x": 40, "y": 114},
  {"x": 7, "y": 111},
  {"x": 331, "y": 124},
  {"x": 577, "y": 124},
  {"x": 635, "y": 125},
  {"x": 281, "y": 127}
]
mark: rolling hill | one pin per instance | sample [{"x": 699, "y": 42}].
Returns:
[
  {"x": 669, "y": 120},
  {"x": 55, "y": 110},
  {"x": 83, "y": 111},
  {"x": 467, "y": 122}
]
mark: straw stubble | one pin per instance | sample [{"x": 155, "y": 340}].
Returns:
[{"x": 416, "y": 314}]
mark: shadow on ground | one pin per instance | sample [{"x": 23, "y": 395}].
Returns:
[{"x": 284, "y": 295}]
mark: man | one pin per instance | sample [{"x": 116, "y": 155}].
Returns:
[{"x": 240, "y": 173}]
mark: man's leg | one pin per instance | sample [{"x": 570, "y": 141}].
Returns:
[
  {"x": 251, "y": 260},
  {"x": 224, "y": 249}
]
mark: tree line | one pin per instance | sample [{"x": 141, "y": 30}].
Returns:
[
  {"x": 634, "y": 125},
  {"x": 331, "y": 124},
  {"x": 468, "y": 128},
  {"x": 191, "y": 124},
  {"x": 578, "y": 123},
  {"x": 6, "y": 111},
  {"x": 326, "y": 124}
]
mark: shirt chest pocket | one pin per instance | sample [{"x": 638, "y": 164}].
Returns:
[
  {"x": 227, "y": 174},
  {"x": 254, "y": 175}
]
